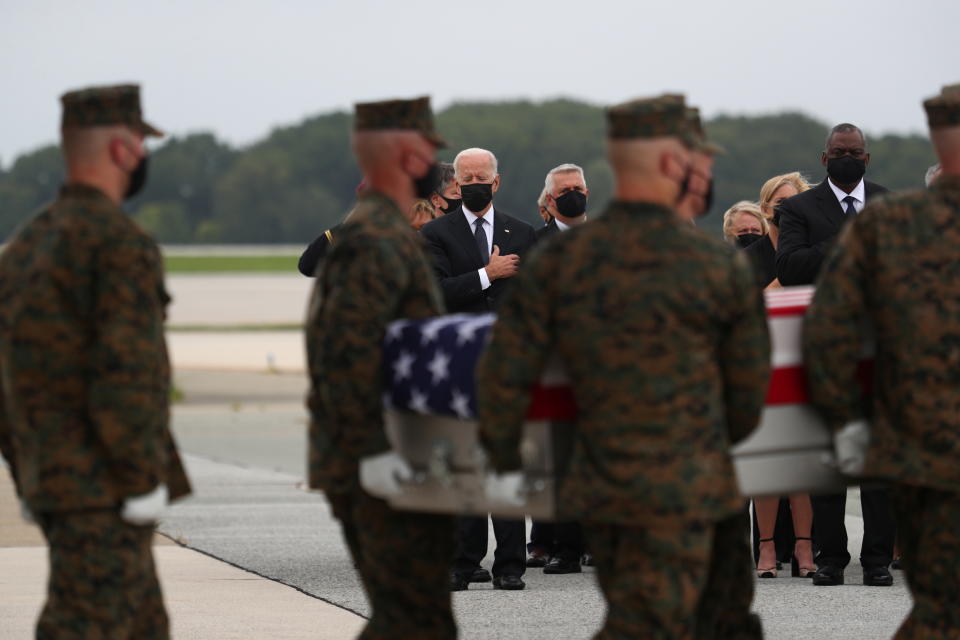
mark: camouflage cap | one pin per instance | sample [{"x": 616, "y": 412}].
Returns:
[
  {"x": 944, "y": 110},
  {"x": 704, "y": 145},
  {"x": 414, "y": 115},
  {"x": 663, "y": 116},
  {"x": 102, "y": 106}
]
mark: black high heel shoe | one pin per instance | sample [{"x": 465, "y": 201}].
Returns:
[
  {"x": 796, "y": 570},
  {"x": 766, "y": 572}
]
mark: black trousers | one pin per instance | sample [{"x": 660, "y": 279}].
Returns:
[
  {"x": 561, "y": 539},
  {"x": 509, "y": 558},
  {"x": 830, "y": 533}
]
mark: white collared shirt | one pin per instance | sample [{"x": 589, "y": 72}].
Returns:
[
  {"x": 859, "y": 193},
  {"x": 561, "y": 226},
  {"x": 488, "y": 231}
]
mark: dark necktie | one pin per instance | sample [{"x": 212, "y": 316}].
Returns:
[
  {"x": 481, "y": 237},
  {"x": 850, "y": 210}
]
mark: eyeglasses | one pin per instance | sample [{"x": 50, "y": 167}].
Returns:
[{"x": 836, "y": 152}]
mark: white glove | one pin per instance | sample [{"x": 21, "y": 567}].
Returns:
[
  {"x": 850, "y": 444},
  {"x": 381, "y": 475},
  {"x": 506, "y": 488},
  {"x": 26, "y": 514},
  {"x": 146, "y": 509}
]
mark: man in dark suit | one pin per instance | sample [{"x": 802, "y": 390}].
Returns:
[
  {"x": 558, "y": 546},
  {"x": 809, "y": 224},
  {"x": 475, "y": 248},
  {"x": 810, "y": 221},
  {"x": 475, "y": 251}
]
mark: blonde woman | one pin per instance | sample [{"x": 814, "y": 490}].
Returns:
[
  {"x": 774, "y": 191},
  {"x": 744, "y": 224}
]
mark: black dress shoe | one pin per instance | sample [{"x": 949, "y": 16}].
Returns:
[
  {"x": 877, "y": 577},
  {"x": 587, "y": 560},
  {"x": 458, "y": 582},
  {"x": 480, "y": 575},
  {"x": 558, "y": 565},
  {"x": 537, "y": 558},
  {"x": 828, "y": 575},
  {"x": 896, "y": 565},
  {"x": 509, "y": 583}
]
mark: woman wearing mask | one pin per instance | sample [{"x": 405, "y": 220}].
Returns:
[
  {"x": 744, "y": 224},
  {"x": 764, "y": 251}
]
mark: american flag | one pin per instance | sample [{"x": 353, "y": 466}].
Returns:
[{"x": 429, "y": 366}]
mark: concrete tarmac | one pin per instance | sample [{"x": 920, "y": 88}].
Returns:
[
  {"x": 252, "y": 510},
  {"x": 281, "y": 552}
]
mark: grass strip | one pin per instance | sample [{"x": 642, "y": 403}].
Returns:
[{"x": 231, "y": 264}]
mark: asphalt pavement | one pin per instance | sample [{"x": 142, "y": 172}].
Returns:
[{"x": 244, "y": 436}]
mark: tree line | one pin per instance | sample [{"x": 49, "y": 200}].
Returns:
[{"x": 301, "y": 179}]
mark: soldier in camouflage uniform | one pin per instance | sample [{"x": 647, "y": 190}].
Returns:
[
  {"x": 724, "y": 610},
  {"x": 84, "y": 418},
  {"x": 897, "y": 266},
  {"x": 663, "y": 335},
  {"x": 377, "y": 272}
]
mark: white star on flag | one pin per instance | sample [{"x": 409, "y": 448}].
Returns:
[
  {"x": 431, "y": 328},
  {"x": 460, "y": 404},
  {"x": 439, "y": 367},
  {"x": 418, "y": 401},
  {"x": 403, "y": 367},
  {"x": 394, "y": 329},
  {"x": 467, "y": 330}
]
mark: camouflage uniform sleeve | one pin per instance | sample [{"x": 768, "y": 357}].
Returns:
[
  {"x": 745, "y": 355},
  {"x": 513, "y": 361},
  {"x": 357, "y": 309},
  {"x": 6, "y": 441},
  {"x": 129, "y": 373},
  {"x": 833, "y": 328}
]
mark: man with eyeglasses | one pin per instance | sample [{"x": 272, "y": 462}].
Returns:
[
  {"x": 809, "y": 225},
  {"x": 810, "y": 221}
]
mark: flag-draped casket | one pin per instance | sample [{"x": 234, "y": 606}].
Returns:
[{"x": 430, "y": 416}]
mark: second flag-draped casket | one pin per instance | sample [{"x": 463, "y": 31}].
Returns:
[{"x": 430, "y": 416}]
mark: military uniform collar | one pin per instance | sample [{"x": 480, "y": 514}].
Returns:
[
  {"x": 641, "y": 208},
  {"x": 946, "y": 183},
  {"x": 80, "y": 190}
]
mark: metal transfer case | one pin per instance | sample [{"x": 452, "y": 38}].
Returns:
[{"x": 430, "y": 419}]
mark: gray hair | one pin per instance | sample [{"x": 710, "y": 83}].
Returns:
[
  {"x": 844, "y": 127},
  {"x": 471, "y": 151},
  {"x": 542, "y": 200},
  {"x": 446, "y": 177},
  {"x": 931, "y": 174},
  {"x": 548, "y": 183}
]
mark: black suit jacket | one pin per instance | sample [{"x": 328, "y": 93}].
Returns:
[
  {"x": 809, "y": 224},
  {"x": 456, "y": 258},
  {"x": 547, "y": 230}
]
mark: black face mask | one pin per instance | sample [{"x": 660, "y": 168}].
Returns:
[
  {"x": 138, "y": 178},
  {"x": 452, "y": 203},
  {"x": 708, "y": 199},
  {"x": 426, "y": 184},
  {"x": 744, "y": 240},
  {"x": 572, "y": 204},
  {"x": 476, "y": 196},
  {"x": 776, "y": 216},
  {"x": 846, "y": 169}
]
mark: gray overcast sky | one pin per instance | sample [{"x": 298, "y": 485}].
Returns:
[{"x": 240, "y": 67}]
